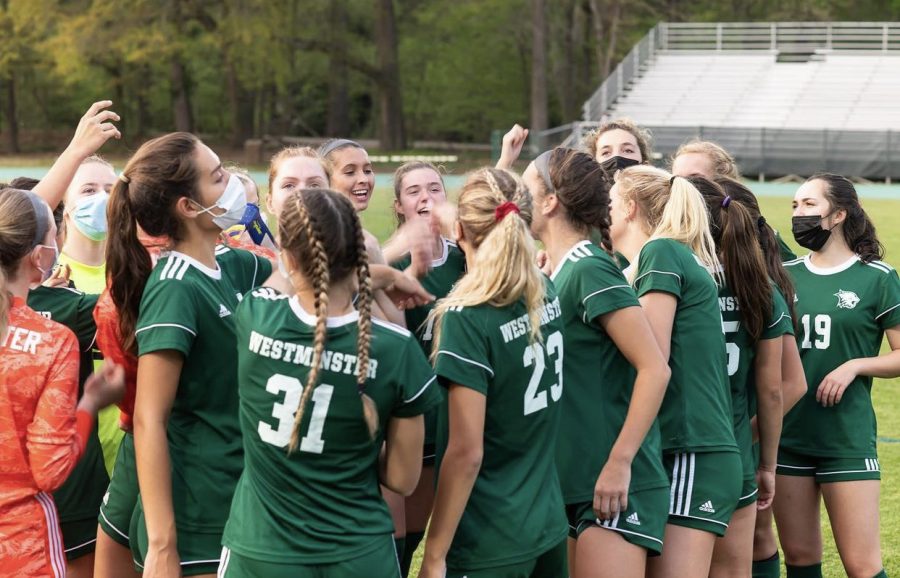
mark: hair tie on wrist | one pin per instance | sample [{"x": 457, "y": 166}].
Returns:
[
  {"x": 726, "y": 201},
  {"x": 504, "y": 209}
]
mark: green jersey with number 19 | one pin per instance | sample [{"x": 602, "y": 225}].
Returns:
[
  {"x": 843, "y": 313},
  {"x": 515, "y": 511},
  {"x": 189, "y": 308},
  {"x": 599, "y": 380},
  {"x": 322, "y": 503},
  {"x": 696, "y": 412}
]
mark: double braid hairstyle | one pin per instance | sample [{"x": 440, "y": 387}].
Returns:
[
  {"x": 322, "y": 233},
  {"x": 504, "y": 270}
]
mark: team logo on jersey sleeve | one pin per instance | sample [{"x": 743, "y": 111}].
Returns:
[{"x": 846, "y": 299}]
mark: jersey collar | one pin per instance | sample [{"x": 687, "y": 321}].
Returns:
[
  {"x": 213, "y": 273},
  {"x": 310, "y": 319},
  {"x": 829, "y": 270},
  {"x": 566, "y": 257}
]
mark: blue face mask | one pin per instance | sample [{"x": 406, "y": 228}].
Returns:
[{"x": 89, "y": 216}]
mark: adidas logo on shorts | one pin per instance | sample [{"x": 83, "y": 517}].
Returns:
[
  {"x": 633, "y": 519},
  {"x": 223, "y": 311},
  {"x": 707, "y": 507}
]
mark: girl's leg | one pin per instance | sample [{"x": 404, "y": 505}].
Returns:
[
  {"x": 604, "y": 553},
  {"x": 853, "y": 511},
  {"x": 766, "y": 563},
  {"x": 687, "y": 553},
  {"x": 733, "y": 553},
  {"x": 111, "y": 559},
  {"x": 797, "y": 515}
]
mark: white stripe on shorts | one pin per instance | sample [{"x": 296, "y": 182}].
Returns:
[
  {"x": 223, "y": 562},
  {"x": 57, "y": 556},
  {"x": 682, "y": 484}
]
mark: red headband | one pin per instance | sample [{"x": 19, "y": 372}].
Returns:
[{"x": 506, "y": 208}]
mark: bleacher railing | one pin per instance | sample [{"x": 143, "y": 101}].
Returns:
[{"x": 776, "y": 37}]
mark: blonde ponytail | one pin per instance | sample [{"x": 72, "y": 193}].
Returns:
[
  {"x": 673, "y": 209},
  {"x": 504, "y": 270}
]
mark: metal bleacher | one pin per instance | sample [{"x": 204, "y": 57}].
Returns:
[{"x": 785, "y": 98}]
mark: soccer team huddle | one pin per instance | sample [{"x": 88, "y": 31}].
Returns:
[{"x": 598, "y": 368}]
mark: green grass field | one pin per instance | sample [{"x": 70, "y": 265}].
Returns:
[{"x": 886, "y": 214}]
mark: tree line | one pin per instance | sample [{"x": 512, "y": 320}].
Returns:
[{"x": 394, "y": 70}]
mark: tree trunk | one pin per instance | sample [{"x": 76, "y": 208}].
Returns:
[
  {"x": 11, "y": 113},
  {"x": 538, "y": 67},
  {"x": 390, "y": 122},
  {"x": 181, "y": 101},
  {"x": 338, "y": 122},
  {"x": 597, "y": 22},
  {"x": 614, "y": 18},
  {"x": 240, "y": 101}
]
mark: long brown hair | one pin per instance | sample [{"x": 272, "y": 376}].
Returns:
[
  {"x": 768, "y": 242},
  {"x": 18, "y": 229},
  {"x": 859, "y": 231},
  {"x": 162, "y": 171},
  {"x": 735, "y": 233},
  {"x": 582, "y": 187},
  {"x": 322, "y": 233}
]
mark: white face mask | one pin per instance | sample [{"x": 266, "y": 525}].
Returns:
[{"x": 233, "y": 200}]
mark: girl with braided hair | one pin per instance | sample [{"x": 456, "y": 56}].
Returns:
[
  {"x": 608, "y": 453},
  {"x": 322, "y": 384},
  {"x": 498, "y": 349}
]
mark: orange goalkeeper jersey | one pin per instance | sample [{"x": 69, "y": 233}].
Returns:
[{"x": 39, "y": 445}]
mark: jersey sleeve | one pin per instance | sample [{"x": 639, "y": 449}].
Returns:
[
  {"x": 889, "y": 306},
  {"x": 51, "y": 440},
  {"x": 168, "y": 318},
  {"x": 419, "y": 391},
  {"x": 780, "y": 323},
  {"x": 463, "y": 355},
  {"x": 658, "y": 270},
  {"x": 107, "y": 319},
  {"x": 602, "y": 288}
]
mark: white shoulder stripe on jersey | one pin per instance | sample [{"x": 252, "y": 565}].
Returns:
[
  {"x": 888, "y": 310},
  {"x": 880, "y": 267},
  {"x": 595, "y": 293},
  {"x": 883, "y": 264},
  {"x": 393, "y": 327},
  {"x": 167, "y": 266},
  {"x": 466, "y": 360},
  {"x": 659, "y": 272},
  {"x": 777, "y": 321},
  {"x": 796, "y": 261},
  {"x": 180, "y": 274},
  {"x": 421, "y": 391},
  {"x": 256, "y": 271},
  {"x": 157, "y": 325}
]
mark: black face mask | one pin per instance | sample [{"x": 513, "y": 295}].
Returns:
[
  {"x": 613, "y": 164},
  {"x": 808, "y": 232}
]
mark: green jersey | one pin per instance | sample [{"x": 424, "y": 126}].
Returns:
[
  {"x": 843, "y": 313},
  {"x": 741, "y": 353},
  {"x": 189, "y": 308},
  {"x": 322, "y": 503},
  {"x": 599, "y": 380},
  {"x": 444, "y": 274},
  {"x": 515, "y": 511},
  {"x": 80, "y": 496},
  {"x": 696, "y": 411}
]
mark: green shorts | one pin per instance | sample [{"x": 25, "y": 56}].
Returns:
[
  {"x": 199, "y": 551},
  {"x": 79, "y": 537},
  {"x": 121, "y": 496},
  {"x": 705, "y": 489},
  {"x": 551, "y": 564},
  {"x": 827, "y": 470},
  {"x": 643, "y": 523},
  {"x": 380, "y": 562}
]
